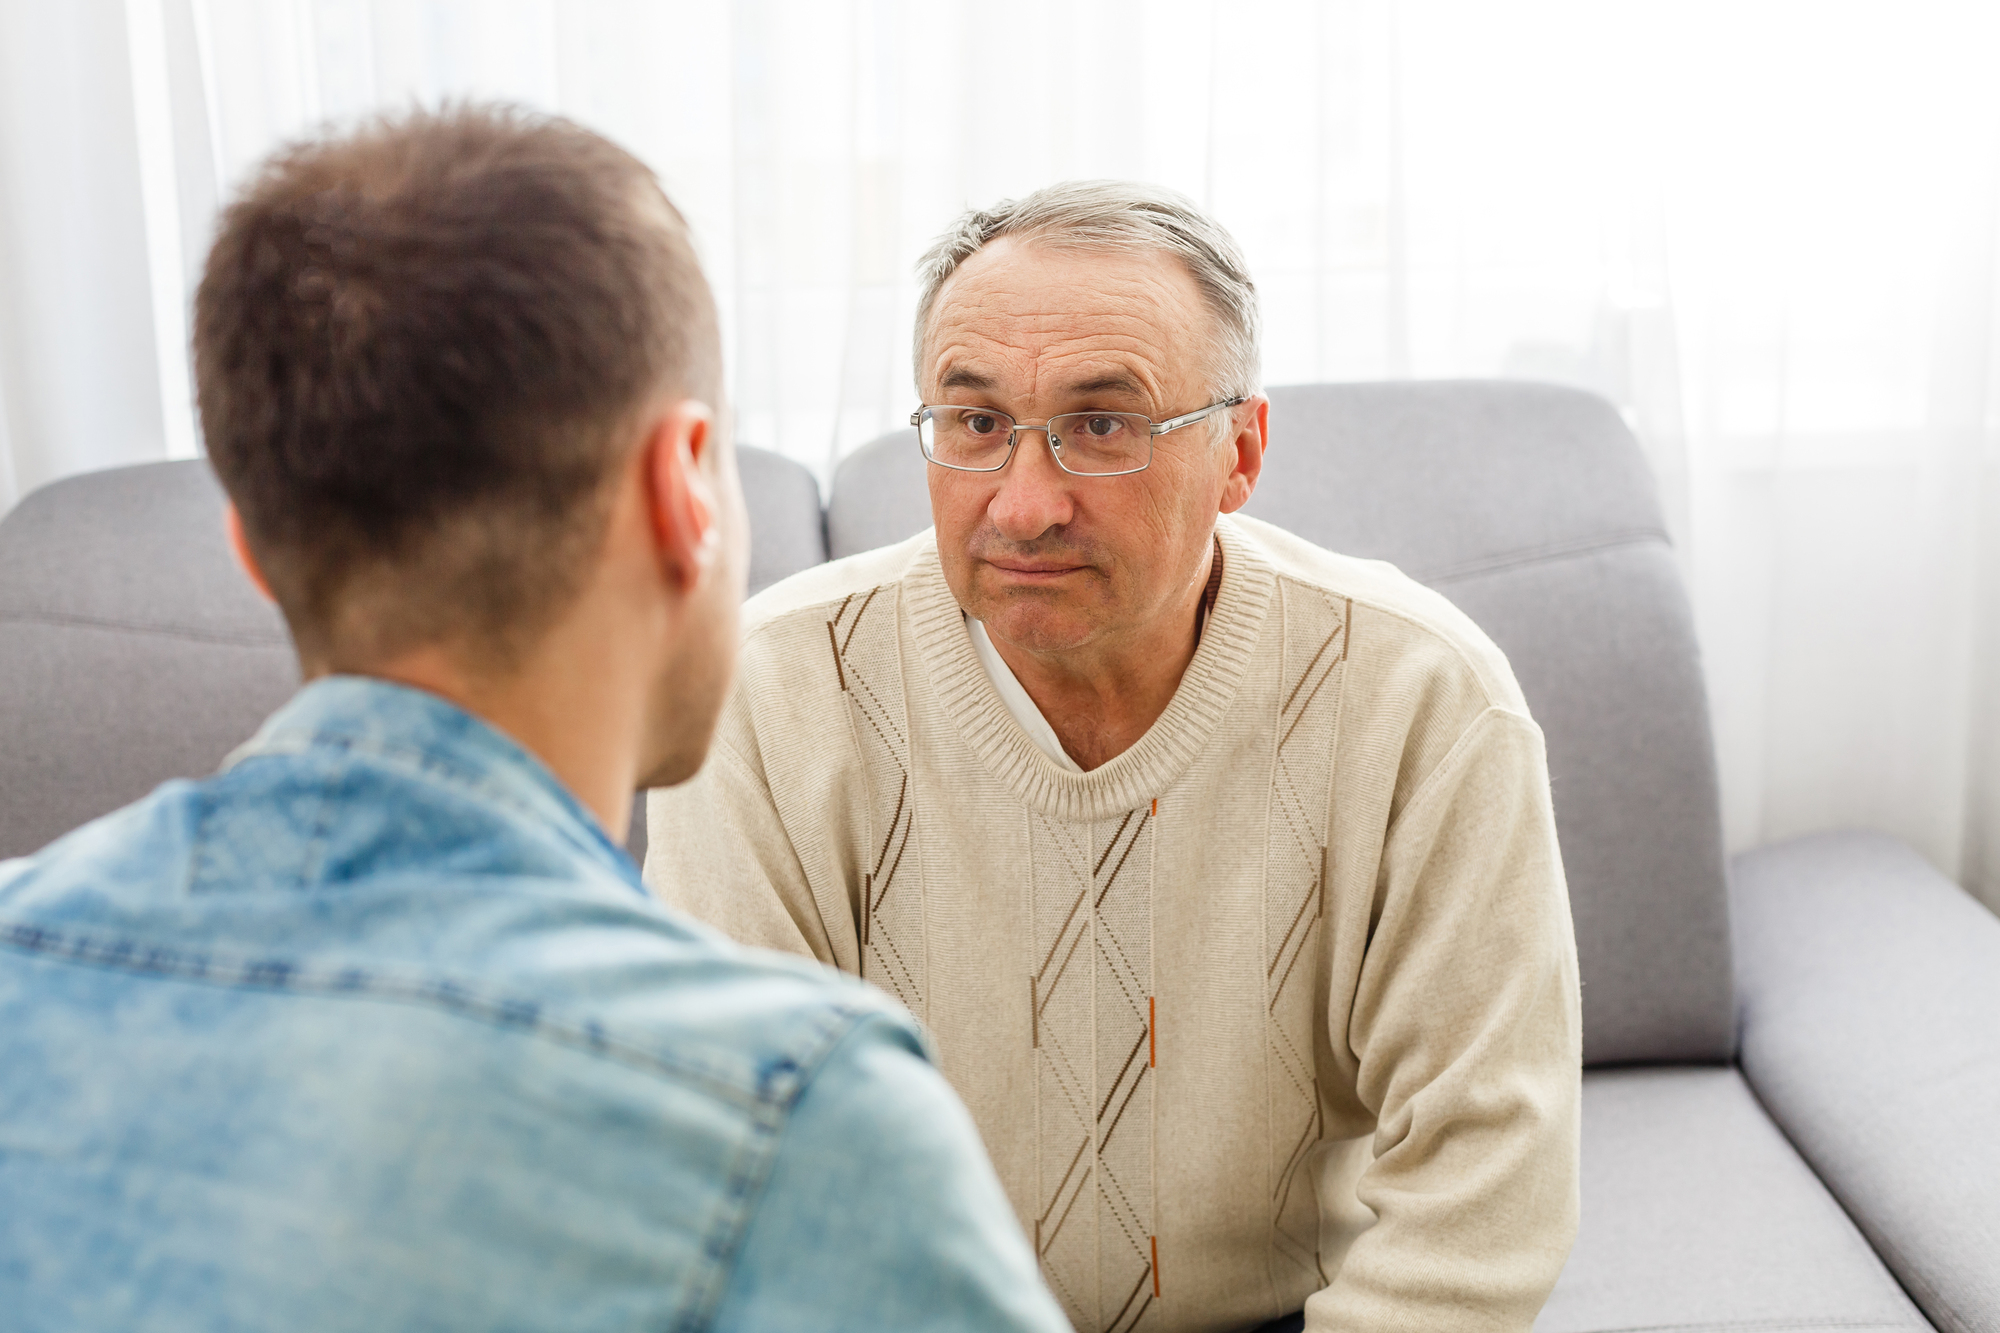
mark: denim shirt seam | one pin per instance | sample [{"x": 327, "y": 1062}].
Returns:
[
  {"x": 775, "y": 1088},
  {"x": 781, "y": 1083}
]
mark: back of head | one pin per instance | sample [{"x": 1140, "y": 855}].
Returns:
[{"x": 421, "y": 349}]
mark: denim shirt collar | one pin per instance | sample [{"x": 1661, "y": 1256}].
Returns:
[{"x": 408, "y": 727}]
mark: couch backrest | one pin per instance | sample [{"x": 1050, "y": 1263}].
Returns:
[
  {"x": 132, "y": 650},
  {"x": 787, "y": 528},
  {"x": 1532, "y": 508}
]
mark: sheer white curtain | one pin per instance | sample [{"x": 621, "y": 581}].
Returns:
[{"x": 1766, "y": 231}]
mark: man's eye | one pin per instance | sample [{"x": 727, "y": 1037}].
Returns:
[
  {"x": 981, "y": 423},
  {"x": 1102, "y": 426}
]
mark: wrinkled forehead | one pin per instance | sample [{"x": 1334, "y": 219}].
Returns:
[{"x": 1035, "y": 321}]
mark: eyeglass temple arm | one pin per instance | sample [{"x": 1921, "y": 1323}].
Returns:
[{"x": 1189, "y": 418}]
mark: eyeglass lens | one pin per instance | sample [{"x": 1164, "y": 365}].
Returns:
[{"x": 1083, "y": 442}]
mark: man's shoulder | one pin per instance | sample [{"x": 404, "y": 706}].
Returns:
[
  {"x": 691, "y": 1004},
  {"x": 568, "y": 956},
  {"x": 804, "y": 598},
  {"x": 800, "y": 635},
  {"x": 519, "y": 1042},
  {"x": 1399, "y": 632}
]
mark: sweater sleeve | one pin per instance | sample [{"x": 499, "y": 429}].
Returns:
[
  {"x": 1464, "y": 1042},
  {"x": 716, "y": 849},
  {"x": 765, "y": 843}
]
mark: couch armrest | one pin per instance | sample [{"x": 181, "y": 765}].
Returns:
[{"x": 1868, "y": 992}]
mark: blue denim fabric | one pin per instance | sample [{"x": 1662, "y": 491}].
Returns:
[{"x": 377, "y": 1030}]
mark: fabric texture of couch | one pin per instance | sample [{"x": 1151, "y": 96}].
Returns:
[{"x": 1794, "y": 1062}]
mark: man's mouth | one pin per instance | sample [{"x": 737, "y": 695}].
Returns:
[{"x": 1037, "y": 571}]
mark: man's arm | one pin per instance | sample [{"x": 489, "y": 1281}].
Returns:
[
  {"x": 1465, "y": 1043},
  {"x": 882, "y": 1212}
]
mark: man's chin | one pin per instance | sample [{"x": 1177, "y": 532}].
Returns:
[{"x": 1037, "y": 628}]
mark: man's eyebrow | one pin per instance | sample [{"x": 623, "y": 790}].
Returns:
[
  {"x": 962, "y": 377},
  {"x": 1116, "y": 382}
]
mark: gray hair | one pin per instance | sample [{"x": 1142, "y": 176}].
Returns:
[{"x": 1116, "y": 216}]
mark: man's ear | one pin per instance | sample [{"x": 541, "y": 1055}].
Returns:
[
  {"x": 232, "y": 523},
  {"x": 1251, "y": 439},
  {"x": 680, "y": 498}
]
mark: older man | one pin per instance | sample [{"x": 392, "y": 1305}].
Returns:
[{"x": 1222, "y": 866}]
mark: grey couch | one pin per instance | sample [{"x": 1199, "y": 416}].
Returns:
[{"x": 1792, "y": 1105}]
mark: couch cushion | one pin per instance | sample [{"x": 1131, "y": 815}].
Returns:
[
  {"x": 132, "y": 650},
  {"x": 1532, "y": 508},
  {"x": 880, "y": 495},
  {"x": 1698, "y": 1215},
  {"x": 787, "y": 533},
  {"x": 1870, "y": 986},
  {"x": 1602, "y": 644}
]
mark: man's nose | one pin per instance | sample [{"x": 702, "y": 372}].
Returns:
[{"x": 1034, "y": 493}]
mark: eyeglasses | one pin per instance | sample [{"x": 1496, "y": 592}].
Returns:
[{"x": 1084, "y": 444}]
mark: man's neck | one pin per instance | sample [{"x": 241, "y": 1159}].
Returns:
[
  {"x": 559, "y": 716},
  {"x": 1099, "y": 702}
]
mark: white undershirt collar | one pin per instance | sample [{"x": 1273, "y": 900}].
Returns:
[{"x": 1019, "y": 704}]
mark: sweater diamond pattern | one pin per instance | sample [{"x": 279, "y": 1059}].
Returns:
[
  {"x": 1315, "y": 650},
  {"x": 869, "y": 670},
  {"x": 1092, "y": 993}
]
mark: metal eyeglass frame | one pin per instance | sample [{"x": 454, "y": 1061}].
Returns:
[{"x": 1014, "y": 433}]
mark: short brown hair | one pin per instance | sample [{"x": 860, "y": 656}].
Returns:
[{"x": 418, "y": 346}]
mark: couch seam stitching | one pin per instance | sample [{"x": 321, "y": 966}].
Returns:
[
  {"x": 1546, "y": 554},
  {"x": 97, "y": 622}
]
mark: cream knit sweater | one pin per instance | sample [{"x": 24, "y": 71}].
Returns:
[{"x": 1277, "y": 1008}]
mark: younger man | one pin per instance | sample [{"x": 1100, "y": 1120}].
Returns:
[{"x": 377, "y": 1028}]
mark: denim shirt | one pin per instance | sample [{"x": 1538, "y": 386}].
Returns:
[{"x": 376, "y": 1029}]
